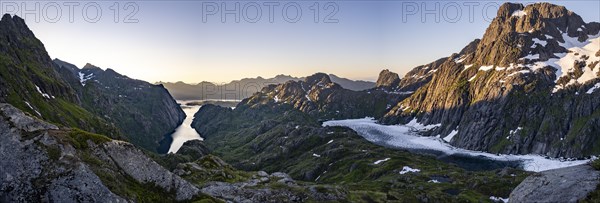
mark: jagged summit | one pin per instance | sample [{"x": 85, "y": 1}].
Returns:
[
  {"x": 387, "y": 79},
  {"x": 90, "y": 66},
  {"x": 318, "y": 78},
  {"x": 516, "y": 30},
  {"x": 15, "y": 20}
]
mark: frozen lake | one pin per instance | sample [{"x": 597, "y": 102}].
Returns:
[{"x": 405, "y": 137}]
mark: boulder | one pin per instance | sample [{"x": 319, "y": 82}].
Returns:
[{"x": 569, "y": 184}]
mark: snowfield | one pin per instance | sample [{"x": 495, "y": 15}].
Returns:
[
  {"x": 381, "y": 161},
  {"x": 407, "y": 137},
  {"x": 407, "y": 169}
]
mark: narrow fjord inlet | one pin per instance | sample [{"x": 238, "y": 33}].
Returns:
[
  {"x": 184, "y": 132},
  {"x": 299, "y": 101}
]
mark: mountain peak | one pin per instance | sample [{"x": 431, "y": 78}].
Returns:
[
  {"x": 318, "y": 78},
  {"x": 387, "y": 79},
  {"x": 14, "y": 25},
  {"x": 14, "y": 22},
  {"x": 513, "y": 33},
  {"x": 90, "y": 66},
  {"x": 8, "y": 18},
  {"x": 506, "y": 10}
]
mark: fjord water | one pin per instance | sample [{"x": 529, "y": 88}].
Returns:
[{"x": 185, "y": 132}]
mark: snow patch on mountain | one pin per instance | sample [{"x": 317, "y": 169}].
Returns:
[
  {"x": 450, "y": 136},
  {"x": 47, "y": 96},
  {"x": 486, "y": 68},
  {"x": 594, "y": 88},
  {"x": 538, "y": 41},
  {"x": 518, "y": 72},
  {"x": 578, "y": 52},
  {"x": 407, "y": 169},
  {"x": 83, "y": 78},
  {"x": 381, "y": 161},
  {"x": 472, "y": 78},
  {"x": 31, "y": 107},
  {"x": 420, "y": 127},
  {"x": 498, "y": 199},
  {"x": 519, "y": 13},
  {"x": 459, "y": 60}
]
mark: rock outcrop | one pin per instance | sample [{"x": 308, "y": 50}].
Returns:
[
  {"x": 144, "y": 170},
  {"x": 194, "y": 148},
  {"x": 388, "y": 80},
  {"x": 36, "y": 167},
  {"x": 570, "y": 184}
]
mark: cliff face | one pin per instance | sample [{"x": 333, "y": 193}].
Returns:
[
  {"x": 528, "y": 87},
  {"x": 421, "y": 75},
  {"x": 142, "y": 111},
  {"x": 42, "y": 162}
]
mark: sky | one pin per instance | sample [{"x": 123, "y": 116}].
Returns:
[{"x": 220, "y": 41}]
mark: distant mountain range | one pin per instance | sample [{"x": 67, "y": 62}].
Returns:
[{"x": 240, "y": 89}]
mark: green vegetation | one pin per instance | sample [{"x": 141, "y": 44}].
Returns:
[
  {"x": 461, "y": 85},
  {"x": 80, "y": 138},
  {"x": 211, "y": 168},
  {"x": 52, "y": 151},
  {"x": 596, "y": 164},
  {"x": 580, "y": 123},
  {"x": 499, "y": 146}
]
